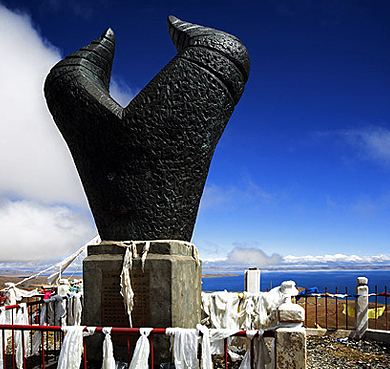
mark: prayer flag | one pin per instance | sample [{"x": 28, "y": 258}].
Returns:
[{"x": 371, "y": 312}]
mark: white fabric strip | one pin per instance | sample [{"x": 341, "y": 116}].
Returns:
[
  {"x": 21, "y": 337},
  {"x": 144, "y": 254},
  {"x": 185, "y": 346},
  {"x": 126, "y": 290},
  {"x": 108, "y": 350},
  {"x": 261, "y": 355},
  {"x": 72, "y": 346},
  {"x": 206, "y": 349},
  {"x": 217, "y": 337},
  {"x": 141, "y": 354}
]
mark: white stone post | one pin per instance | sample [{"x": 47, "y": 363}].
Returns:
[
  {"x": 290, "y": 341},
  {"x": 361, "y": 307},
  {"x": 64, "y": 287},
  {"x": 252, "y": 280}
]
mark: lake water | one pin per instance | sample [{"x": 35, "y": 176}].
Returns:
[{"x": 320, "y": 279}]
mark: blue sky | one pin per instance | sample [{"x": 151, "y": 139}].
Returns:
[{"x": 303, "y": 167}]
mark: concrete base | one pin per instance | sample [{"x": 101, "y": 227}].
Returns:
[
  {"x": 378, "y": 335},
  {"x": 166, "y": 294},
  {"x": 334, "y": 333}
]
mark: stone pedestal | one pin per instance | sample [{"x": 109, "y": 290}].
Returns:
[
  {"x": 290, "y": 348},
  {"x": 166, "y": 294},
  {"x": 361, "y": 307},
  {"x": 290, "y": 338},
  {"x": 252, "y": 280}
]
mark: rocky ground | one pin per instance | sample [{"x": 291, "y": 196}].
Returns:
[
  {"x": 327, "y": 352},
  {"x": 331, "y": 353}
]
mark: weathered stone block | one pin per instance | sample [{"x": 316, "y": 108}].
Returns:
[
  {"x": 289, "y": 312},
  {"x": 290, "y": 348},
  {"x": 362, "y": 280},
  {"x": 166, "y": 293}
]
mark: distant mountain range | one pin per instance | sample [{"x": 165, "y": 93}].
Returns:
[
  {"x": 308, "y": 262},
  {"x": 290, "y": 262}
]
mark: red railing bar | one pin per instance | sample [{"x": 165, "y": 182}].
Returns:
[
  {"x": 128, "y": 349},
  {"x": 386, "y": 308},
  {"x": 117, "y": 330},
  {"x": 151, "y": 351},
  {"x": 326, "y": 308},
  {"x": 376, "y": 306},
  {"x": 85, "y": 354},
  {"x": 337, "y": 313},
  {"x": 8, "y": 307},
  {"x": 225, "y": 352},
  {"x": 252, "y": 352},
  {"x": 316, "y": 323},
  {"x": 23, "y": 350},
  {"x": 43, "y": 351},
  {"x": 306, "y": 307},
  {"x": 31, "y": 303},
  {"x": 38, "y": 312},
  {"x": 346, "y": 308},
  {"x": 29, "y": 309},
  {"x": 55, "y": 336},
  {"x": 13, "y": 342},
  {"x": 3, "y": 339}
]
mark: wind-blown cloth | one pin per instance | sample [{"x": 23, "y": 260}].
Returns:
[
  {"x": 131, "y": 254},
  {"x": 72, "y": 346},
  {"x": 246, "y": 310}
]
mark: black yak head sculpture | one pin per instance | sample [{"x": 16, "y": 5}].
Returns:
[{"x": 144, "y": 167}]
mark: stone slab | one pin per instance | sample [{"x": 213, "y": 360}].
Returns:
[{"x": 336, "y": 333}]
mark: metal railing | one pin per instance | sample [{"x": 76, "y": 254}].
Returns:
[
  {"x": 8, "y": 349},
  {"x": 34, "y": 305},
  {"x": 336, "y": 310}
]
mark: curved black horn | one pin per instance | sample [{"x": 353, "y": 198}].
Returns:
[{"x": 186, "y": 34}]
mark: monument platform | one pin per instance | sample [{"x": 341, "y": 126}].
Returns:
[{"x": 167, "y": 293}]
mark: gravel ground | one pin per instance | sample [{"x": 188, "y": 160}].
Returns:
[{"x": 327, "y": 352}]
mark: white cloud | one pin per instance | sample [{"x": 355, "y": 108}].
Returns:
[
  {"x": 43, "y": 210},
  {"x": 372, "y": 142},
  {"x": 215, "y": 196},
  {"x": 35, "y": 162},
  {"x": 35, "y": 165},
  {"x": 252, "y": 256},
  {"x": 31, "y": 231},
  {"x": 337, "y": 260},
  {"x": 121, "y": 92},
  {"x": 241, "y": 257}
]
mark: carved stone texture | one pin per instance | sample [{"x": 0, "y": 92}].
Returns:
[{"x": 144, "y": 167}]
